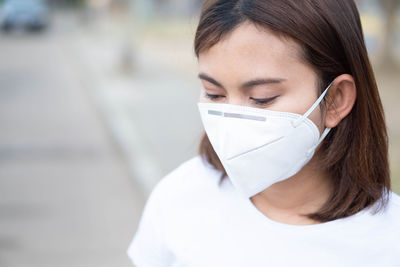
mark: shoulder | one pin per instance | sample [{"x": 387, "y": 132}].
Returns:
[
  {"x": 388, "y": 216},
  {"x": 194, "y": 168},
  {"x": 171, "y": 201},
  {"x": 395, "y": 199},
  {"x": 394, "y": 205},
  {"x": 180, "y": 196},
  {"x": 174, "y": 203},
  {"x": 192, "y": 178},
  {"x": 390, "y": 220},
  {"x": 391, "y": 210}
]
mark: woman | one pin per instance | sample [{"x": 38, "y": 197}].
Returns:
[{"x": 293, "y": 169}]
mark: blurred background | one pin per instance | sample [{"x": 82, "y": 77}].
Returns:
[{"x": 98, "y": 102}]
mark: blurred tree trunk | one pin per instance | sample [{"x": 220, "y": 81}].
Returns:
[{"x": 389, "y": 7}]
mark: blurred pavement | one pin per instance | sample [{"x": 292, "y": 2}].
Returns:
[{"x": 67, "y": 197}]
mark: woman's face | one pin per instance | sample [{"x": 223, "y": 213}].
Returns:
[{"x": 254, "y": 67}]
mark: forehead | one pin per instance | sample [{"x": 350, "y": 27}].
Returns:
[{"x": 251, "y": 47}]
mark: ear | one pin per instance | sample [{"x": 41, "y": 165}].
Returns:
[{"x": 340, "y": 100}]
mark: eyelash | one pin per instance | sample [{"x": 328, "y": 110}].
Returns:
[{"x": 257, "y": 101}]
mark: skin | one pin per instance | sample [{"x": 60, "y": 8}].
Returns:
[{"x": 284, "y": 82}]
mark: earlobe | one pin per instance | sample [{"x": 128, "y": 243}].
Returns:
[{"x": 340, "y": 100}]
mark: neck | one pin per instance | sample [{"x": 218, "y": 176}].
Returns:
[{"x": 303, "y": 193}]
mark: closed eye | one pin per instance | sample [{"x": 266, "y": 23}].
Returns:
[
  {"x": 213, "y": 97},
  {"x": 263, "y": 101}
]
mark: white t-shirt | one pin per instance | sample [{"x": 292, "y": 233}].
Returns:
[{"x": 191, "y": 220}]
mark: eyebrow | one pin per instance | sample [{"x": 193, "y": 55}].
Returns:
[{"x": 245, "y": 85}]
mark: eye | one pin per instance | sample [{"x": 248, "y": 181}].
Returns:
[
  {"x": 213, "y": 97},
  {"x": 263, "y": 101}
]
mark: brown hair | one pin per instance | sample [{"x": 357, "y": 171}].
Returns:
[{"x": 355, "y": 153}]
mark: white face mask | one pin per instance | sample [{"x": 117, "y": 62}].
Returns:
[{"x": 260, "y": 147}]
